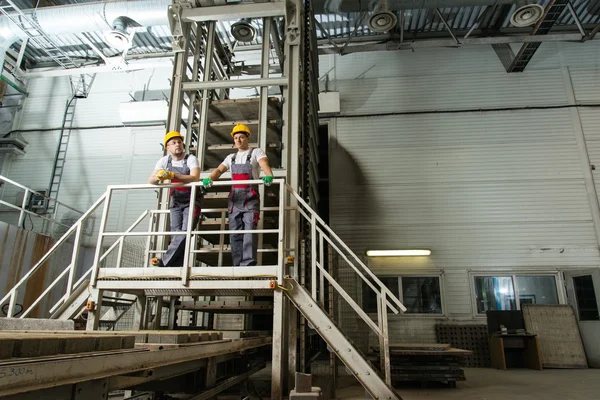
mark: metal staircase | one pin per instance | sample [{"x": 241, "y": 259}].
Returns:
[{"x": 136, "y": 284}]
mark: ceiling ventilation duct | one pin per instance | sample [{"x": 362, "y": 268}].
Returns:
[
  {"x": 526, "y": 14},
  {"x": 382, "y": 20},
  {"x": 243, "y": 30},
  {"x": 118, "y": 37}
]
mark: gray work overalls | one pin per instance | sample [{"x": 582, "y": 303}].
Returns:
[
  {"x": 179, "y": 204},
  {"x": 244, "y": 207}
]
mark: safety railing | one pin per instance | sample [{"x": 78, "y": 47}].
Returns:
[
  {"x": 189, "y": 270},
  {"x": 322, "y": 235},
  {"x": 75, "y": 231},
  {"x": 33, "y": 204}
]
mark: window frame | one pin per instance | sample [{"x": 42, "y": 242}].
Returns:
[
  {"x": 439, "y": 275},
  {"x": 558, "y": 281}
]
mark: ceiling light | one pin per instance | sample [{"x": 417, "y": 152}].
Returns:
[
  {"x": 526, "y": 15},
  {"x": 398, "y": 253}
]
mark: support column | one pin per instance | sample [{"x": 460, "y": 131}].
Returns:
[
  {"x": 278, "y": 363},
  {"x": 139, "y": 320}
]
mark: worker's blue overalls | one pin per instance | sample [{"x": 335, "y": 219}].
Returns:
[
  {"x": 244, "y": 208},
  {"x": 179, "y": 204}
]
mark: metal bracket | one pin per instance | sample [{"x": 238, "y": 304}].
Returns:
[
  {"x": 176, "y": 24},
  {"x": 292, "y": 36},
  {"x": 91, "y": 390}
]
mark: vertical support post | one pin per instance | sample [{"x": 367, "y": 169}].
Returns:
[
  {"x": 262, "y": 122},
  {"x": 11, "y": 303},
  {"x": 172, "y": 313},
  {"x": 26, "y": 197},
  {"x": 280, "y": 237},
  {"x": 93, "y": 318},
  {"x": 277, "y": 366},
  {"x": 185, "y": 278},
  {"x": 384, "y": 350},
  {"x": 221, "y": 239},
  {"x": 211, "y": 374},
  {"x": 74, "y": 260},
  {"x": 103, "y": 219},
  {"x": 205, "y": 101},
  {"x": 194, "y": 95},
  {"x": 140, "y": 313},
  {"x": 158, "y": 315},
  {"x": 313, "y": 256},
  {"x": 321, "y": 276},
  {"x": 149, "y": 241}
]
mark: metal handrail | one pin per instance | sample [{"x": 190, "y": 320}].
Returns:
[{"x": 76, "y": 228}]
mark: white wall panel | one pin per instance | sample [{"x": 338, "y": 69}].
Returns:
[
  {"x": 450, "y": 92},
  {"x": 486, "y": 191}
]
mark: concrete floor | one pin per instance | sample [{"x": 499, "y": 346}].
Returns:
[{"x": 515, "y": 384}]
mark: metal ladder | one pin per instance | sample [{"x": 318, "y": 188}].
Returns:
[
  {"x": 34, "y": 31},
  {"x": 80, "y": 86}
]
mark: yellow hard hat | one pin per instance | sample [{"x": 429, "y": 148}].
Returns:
[
  {"x": 171, "y": 135},
  {"x": 240, "y": 128}
]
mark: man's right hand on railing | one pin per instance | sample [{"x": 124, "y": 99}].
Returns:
[
  {"x": 207, "y": 182},
  {"x": 163, "y": 174}
]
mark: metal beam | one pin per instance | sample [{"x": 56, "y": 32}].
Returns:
[
  {"x": 61, "y": 370},
  {"x": 234, "y": 83},
  {"x": 448, "y": 28},
  {"x": 220, "y": 13},
  {"x": 376, "y": 45},
  {"x": 504, "y": 53}
]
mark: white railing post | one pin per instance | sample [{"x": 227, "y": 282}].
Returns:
[
  {"x": 185, "y": 271},
  {"x": 149, "y": 241},
  {"x": 321, "y": 276},
  {"x": 104, "y": 218},
  {"x": 384, "y": 350},
  {"x": 11, "y": 303},
  {"x": 222, "y": 239},
  {"x": 74, "y": 259},
  {"x": 23, "y": 207},
  {"x": 313, "y": 257},
  {"x": 120, "y": 251},
  {"x": 280, "y": 238}
]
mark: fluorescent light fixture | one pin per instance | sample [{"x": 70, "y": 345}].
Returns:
[{"x": 398, "y": 253}]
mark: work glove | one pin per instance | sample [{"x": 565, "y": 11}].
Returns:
[
  {"x": 268, "y": 180},
  {"x": 207, "y": 182},
  {"x": 163, "y": 174}
]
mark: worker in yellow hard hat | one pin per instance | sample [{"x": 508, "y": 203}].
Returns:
[
  {"x": 182, "y": 168},
  {"x": 244, "y": 201}
]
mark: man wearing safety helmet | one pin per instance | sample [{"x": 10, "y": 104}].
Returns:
[
  {"x": 244, "y": 202},
  {"x": 182, "y": 168}
]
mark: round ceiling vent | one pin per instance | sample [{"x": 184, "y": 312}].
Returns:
[
  {"x": 527, "y": 15},
  {"x": 243, "y": 31},
  {"x": 382, "y": 21},
  {"x": 117, "y": 39}
]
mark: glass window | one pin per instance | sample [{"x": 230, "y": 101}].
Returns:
[
  {"x": 537, "y": 290},
  {"x": 370, "y": 298},
  {"x": 421, "y": 295},
  {"x": 494, "y": 293},
  {"x": 586, "y": 298}
]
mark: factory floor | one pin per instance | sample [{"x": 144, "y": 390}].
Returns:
[{"x": 513, "y": 384}]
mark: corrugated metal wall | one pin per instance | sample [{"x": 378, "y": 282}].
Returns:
[
  {"x": 96, "y": 158},
  {"x": 486, "y": 191}
]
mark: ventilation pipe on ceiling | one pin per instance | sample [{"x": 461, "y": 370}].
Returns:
[{"x": 113, "y": 17}]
